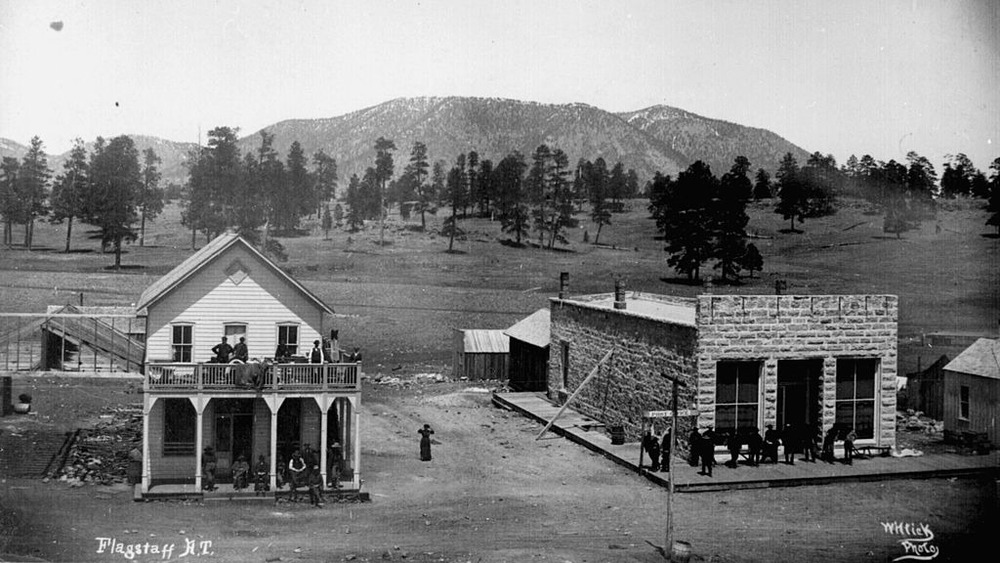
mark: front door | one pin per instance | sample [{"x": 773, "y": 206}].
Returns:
[
  {"x": 799, "y": 383},
  {"x": 233, "y": 434}
]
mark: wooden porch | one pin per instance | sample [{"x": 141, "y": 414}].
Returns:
[{"x": 252, "y": 377}]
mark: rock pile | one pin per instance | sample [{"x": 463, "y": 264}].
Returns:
[{"x": 101, "y": 454}]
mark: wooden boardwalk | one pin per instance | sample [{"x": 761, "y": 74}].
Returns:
[{"x": 590, "y": 434}]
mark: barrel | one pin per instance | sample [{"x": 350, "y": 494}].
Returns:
[{"x": 681, "y": 552}]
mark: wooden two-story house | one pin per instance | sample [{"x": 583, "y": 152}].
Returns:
[{"x": 229, "y": 289}]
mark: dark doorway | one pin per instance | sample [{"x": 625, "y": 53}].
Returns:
[
  {"x": 289, "y": 428},
  {"x": 799, "y": 384},
  {"x": 233, "y": 433}
]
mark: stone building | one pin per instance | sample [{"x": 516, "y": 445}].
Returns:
[{"x": 743, "y": 361}]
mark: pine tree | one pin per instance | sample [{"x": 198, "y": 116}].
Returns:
[
  {"x": 33, "y": 187},
  {"x": 383, "y": 172},
  {"x": 116, "y": 180},
  {"x": 10, "y": 201},
  {"x": 457, "y": 195},
  {"x": 325, "y": 174},
  {"x": 729, "y": 219},
  {"x": 151, "y": 197},
  {"x": 355, "y": 204},
  {"x": 595, "y": 178},
  {"x": 687, "y": 232},
  {"x": 424, "y": 189},
  {"x": 993, "y": 203},
  {"x": 762, "y": 186},
  {"x": 69, "y": 192},
  {"x": 514, "y": 208}
]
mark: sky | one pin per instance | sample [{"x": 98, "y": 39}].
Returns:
[{"x": 874, "y": 77}]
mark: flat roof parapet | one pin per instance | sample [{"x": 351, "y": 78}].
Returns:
[{"x": 678, "y": 310}]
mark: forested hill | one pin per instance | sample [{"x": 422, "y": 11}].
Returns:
[
  {"x": 646, "y": 140},
  {"x": 714, "y": 141},
  {"x": 659, "y": 138}
]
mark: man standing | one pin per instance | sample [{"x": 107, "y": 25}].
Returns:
[
  {"x": 790, "y": 439},
  {"x": 240, "y": 351},
  {"x": 316, "y": 355},
  {"x": 849, "y": 446},
  {"x": 222, "y": 351},
  {"x": 707, "y": 452},
  {"x": 665, "y": 445}
]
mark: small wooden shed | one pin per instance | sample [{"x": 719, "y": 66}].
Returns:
[
  {"x": 972, "y": 390},
  {"x": 481, "y": 354},
  {"x": 925, "y": 389},
  {"x": 529, "y": 352}
]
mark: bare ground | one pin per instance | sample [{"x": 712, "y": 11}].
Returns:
[{"x": 492, "y": 493}]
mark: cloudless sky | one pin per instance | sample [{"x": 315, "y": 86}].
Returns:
[{"x": 837, "y": 77}]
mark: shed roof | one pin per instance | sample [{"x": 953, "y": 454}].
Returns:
[
  {"x": 533, "y": 329},
  {"x": 192, "y": 264},
  {"x": 477, "y": 341},
  {"x": 982, "y": 359}
]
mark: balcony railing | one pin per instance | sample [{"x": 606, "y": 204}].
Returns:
[{"x": 252, "y": 377}]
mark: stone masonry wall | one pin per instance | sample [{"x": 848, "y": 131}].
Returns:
[
  {"x": 631, "y": 381},
  {"x": 772, "y": 328}
]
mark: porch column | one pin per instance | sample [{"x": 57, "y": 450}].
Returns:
[
  {"x": 147, "y": 408},
  {"x": 356, "y": 421},
  {"x": 324, "y": 406},
  {"x": 274, "y": 403},
  {"x": 199, "y": 438}
]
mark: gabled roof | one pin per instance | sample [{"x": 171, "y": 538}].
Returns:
[
  {"x": 477, "y": 341},
  {"x": 982, "y": 359},
  {"x": 190, "y": 266},
  {"x": 533, "y": 329}
]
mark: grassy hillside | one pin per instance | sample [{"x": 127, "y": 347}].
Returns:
[{"x": 401, "y": 302}]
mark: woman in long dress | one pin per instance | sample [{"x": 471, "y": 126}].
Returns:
[{"x": 425, "y": 442}]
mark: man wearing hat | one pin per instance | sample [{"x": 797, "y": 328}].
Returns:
[{"x": 208, "y": 463}]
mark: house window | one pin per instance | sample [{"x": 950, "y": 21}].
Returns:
[
  {"x": 963, "y": 402},
  {"x": 182, "y": 342},
  {"x": 856, "y": 395},
  {"x": 737, "y": 392},
  {"x": 288, "y": 336},
  {"x": 179, "y": 421}
]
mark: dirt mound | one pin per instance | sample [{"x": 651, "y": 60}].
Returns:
[{"x": 472, "y": 397}]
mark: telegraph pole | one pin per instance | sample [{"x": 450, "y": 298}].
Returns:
[{"x": 668, "y": 548}]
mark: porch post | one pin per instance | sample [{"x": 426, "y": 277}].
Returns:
[
  {"x": 324, "y": 406},
  {"x": 147, "y": 408},
  {"x": 199, "y": 439},
  {"x": 356, "y": 421},
  {"x": 274, "y": 403}
]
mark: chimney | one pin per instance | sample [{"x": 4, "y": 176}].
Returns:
[
  {"x": 619, "y": 294},
  {"x": 563, "y": 284}
]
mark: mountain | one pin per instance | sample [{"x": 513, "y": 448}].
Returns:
[
  {"x": 173, "y": 156},
  {"x": 659, "y": 138},
  {"x": 12, "y": 149},
  {"x": 656, "y": 139},
  {"x": 714, "y": 141}
]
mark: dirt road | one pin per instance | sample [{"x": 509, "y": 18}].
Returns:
[{"x": 493, "y": 493}]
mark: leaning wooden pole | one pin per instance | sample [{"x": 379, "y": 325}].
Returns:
[{"x": 586, "y": 380}]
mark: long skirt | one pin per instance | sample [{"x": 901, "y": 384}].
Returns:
[{"x": 425, "y": 449}]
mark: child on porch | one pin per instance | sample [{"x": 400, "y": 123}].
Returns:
[{"x": 316, "y": 487}]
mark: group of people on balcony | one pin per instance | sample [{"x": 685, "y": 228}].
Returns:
[{"x": 321, "y": 353}]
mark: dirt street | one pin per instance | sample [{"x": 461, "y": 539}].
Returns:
[{"x": 493, "y": 493}]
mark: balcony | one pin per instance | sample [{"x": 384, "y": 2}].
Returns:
[{"x": 253, "y": 377}]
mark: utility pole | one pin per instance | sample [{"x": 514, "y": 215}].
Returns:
[{"x": 668, "y": 548}]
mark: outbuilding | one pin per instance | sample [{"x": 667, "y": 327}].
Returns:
[
  {"x": 972, "y": 391},
  {"x": 481, "y": 354},
  {"x": 529, "y": 352}
]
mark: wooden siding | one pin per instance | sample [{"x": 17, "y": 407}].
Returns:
[
  {"x": 483, "y": 366},
  {"x": 209, "y": 299},
  {"x": 165, "y": 467},
  {"x": 984, "y": 394},
  {"x": 310, "y": 424},
  {"x": 528, "y": 366}
]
